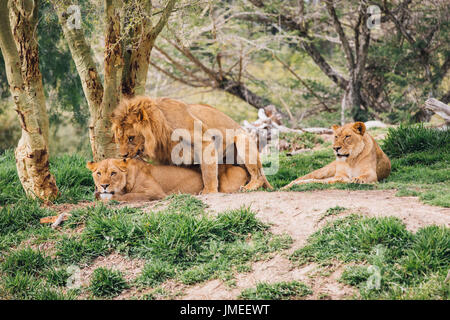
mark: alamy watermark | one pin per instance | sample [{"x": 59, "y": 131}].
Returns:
[
  {"x": 74, "y": 17},
  {"x": 210, "y": 146}
]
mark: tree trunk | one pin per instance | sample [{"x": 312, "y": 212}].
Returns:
[
  {"x": 85, "y": 65},
  {"x": 103, "y": 136},
  {"x": 140, "y": 45},
  {"x": 358, "y": 111},
  {"x": 20, "y": 52},
  {"x": 120, "y": 77}
]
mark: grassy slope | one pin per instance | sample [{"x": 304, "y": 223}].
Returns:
[
  {"x": 191, "y": 247},
  {"x": 180, "y": 242},
  {"x": 420, "y": 166},
  {"x": 407, "y": 266}
]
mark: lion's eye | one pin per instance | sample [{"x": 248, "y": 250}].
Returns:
[
  {"x": 347, "y": 136},
  {"x": 99, "y": 173},
  {"x": 130, "y": 139},
  {"x": 113, "y": 174}
]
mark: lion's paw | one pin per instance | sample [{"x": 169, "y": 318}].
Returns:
[{"x": 359, "y": 180}]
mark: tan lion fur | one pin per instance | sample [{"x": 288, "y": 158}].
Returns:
[
  {"x": 134, "y": 180},
  {"x": 359, "y": 159},
  {"x": 143, "y": 127}
]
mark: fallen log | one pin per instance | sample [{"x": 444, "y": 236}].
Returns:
[{"x": 439, "y": 108}]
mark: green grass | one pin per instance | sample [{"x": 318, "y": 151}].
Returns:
[
  {"x": 73, "y": 179},
  {"x": 181, "y": 241},
  {"x": 107, "y": 283},
  {"x": 184, "y": 243},
  {"x": 411, "y": 139},
  {"x": 353, "y": 239},
  {"x": 405, "y": 263},
  {"x": 420, "y": 159},
  {"x": 304, "y": 140},
  {"x": 276, "y": 291},
  {"x": 155, "y": 272},
  {"x": 24, "y": 286},
  {"x": 28, "y": 274},
  {"x": 26, "y": 261},
  {"x": 25, "y": 214},
  {"x": 332, "y": 212}
]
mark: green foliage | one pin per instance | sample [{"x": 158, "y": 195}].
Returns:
[
  {"x": 410, "y": 139},
  {"x": 276, "y": 291},
  {"x": 107, "y": 283},
  {"x": 236, "y": 224},
  {"x": 179, "y": 203},
  {"x": 11, "y": 189},
  {"x": 181, "y": 237},
  {"x": 429, "y": 252},
  {"x": 333, "y": 211}
]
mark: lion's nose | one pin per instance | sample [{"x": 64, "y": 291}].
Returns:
[
  {"x": 104, "y": 186},
  {"x": 336, "y": 148}
]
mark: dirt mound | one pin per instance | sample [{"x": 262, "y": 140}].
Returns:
[{"x": 299, "y": 214}]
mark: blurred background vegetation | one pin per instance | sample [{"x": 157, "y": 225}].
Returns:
[{"x": 229, "y": 41}]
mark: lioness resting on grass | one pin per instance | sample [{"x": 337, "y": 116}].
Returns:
[
  {"x": 144, "y": 127},
  {"x": 133, "y": 180},
  {"x": 359, "y": 159}
]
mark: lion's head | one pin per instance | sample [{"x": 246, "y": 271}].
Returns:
[
  {"x": 348, "y": 140},
  {"x": 109, "y": 175},
  {"x": 139, "y": 128}
]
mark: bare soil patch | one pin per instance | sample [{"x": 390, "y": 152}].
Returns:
[{"x": 300, "y": 214}]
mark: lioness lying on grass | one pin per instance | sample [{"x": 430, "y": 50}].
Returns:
[
  {"x": 359, "y": 159},
  {"x": 133, "y": 179}
]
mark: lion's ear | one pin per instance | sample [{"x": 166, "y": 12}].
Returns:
[
  {"x": 359, "y": 127},
  {"x": 122, "y": 164},
  {"x": 142, "y": 114},
  {"x": 334, "y": 127},
  {"x": 91, "y": 165}
]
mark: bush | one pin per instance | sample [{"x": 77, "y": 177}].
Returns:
[{"x": 409, "y": 139}]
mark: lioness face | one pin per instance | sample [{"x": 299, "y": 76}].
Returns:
[
  {"x": 348, "y": 140},
  {"x": 131, "y": 142},
  {"x": 109, "y": 176}
]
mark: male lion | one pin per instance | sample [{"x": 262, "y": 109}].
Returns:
[
  {"x": 143, "y": 127},
  {"x": 134, "y": 180},
  {"x": 359, "y": 159}
]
